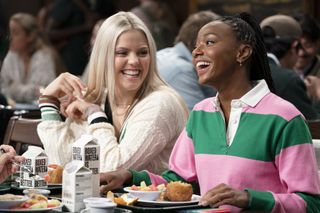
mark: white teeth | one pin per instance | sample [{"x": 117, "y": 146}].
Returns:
[
  {"x": 202, "y": 63},
  {"x": 131, "y": 72}
]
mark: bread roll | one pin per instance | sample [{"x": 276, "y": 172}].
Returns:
[
  {"x": 55, "y": 173},
  {"x": 178, "y": 191}
]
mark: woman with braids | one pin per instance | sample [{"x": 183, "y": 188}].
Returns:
[{"x": 246, "y": 148}]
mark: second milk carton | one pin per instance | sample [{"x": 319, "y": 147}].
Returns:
[
  {"x": 87, "y": 149},
  {"x": 37, "y": 163},
  {"x": 76, "y": 185}
]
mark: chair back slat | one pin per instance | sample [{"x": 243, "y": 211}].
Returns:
[{"x": 21, "y": 131}]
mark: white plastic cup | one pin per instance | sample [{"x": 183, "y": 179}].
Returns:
[
  {"x": 98, "y": 205},
  {"x": 102, "y": 207}
]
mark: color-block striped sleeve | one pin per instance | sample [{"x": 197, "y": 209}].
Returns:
[
  {"x": 297, "y": 167},
  {"x": 49, "y": 111},
  {"x": 313, "y": 202},
  {"x": 260, "y": 200},
  {"x": 150, "y": 178}
]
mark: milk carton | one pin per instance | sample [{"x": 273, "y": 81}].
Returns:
[
  {"x": 87, "y": 149},
  {"x": 76, "y": 185},
  {"x": 37, "y": 162}
]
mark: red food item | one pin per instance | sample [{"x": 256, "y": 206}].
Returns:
[
  {"x": 47, "y": 178},
  {"x": 134, "y": 187},
  {"x": 26, "y": 205},
  {"x": 153, "y": 187}
]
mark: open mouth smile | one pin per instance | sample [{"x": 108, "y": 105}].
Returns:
[
  {"x": 202, "y": 66},
  {"x": 131, "y": 72}
]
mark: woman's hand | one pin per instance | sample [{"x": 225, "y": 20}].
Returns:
[
  {"x": 6, "y": 166},
  {"x": 225, "y": 195},
  {"x": 65, "y": 85},
  {"x": 114, "y": 180},
  {"x": 81, "y": 109}
]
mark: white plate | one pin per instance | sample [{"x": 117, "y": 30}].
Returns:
[
  {"x": 6, "y": 204},
  {"x": 31, "y": 210},
  {"x": 143, "y": 195},
  {"x": 194, "y": 200}
]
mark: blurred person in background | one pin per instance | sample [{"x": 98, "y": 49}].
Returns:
[
  {"x": 29, "y": 64},
  {"x": 281, "y": 36},
  {"x": 308, "y": 63},
  {"x": 43, "y": 14},
  {"x": 160, "y": 20},
  {"x": 175, "y": 63},
  {"x": 68, "y": 27}
]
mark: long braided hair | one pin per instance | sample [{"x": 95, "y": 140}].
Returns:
[{"x": 247, "y": 30}]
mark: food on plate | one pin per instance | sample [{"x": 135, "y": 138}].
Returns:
[
  {"x": 110, "y": 195},
  {"x": 7, "y": 197},
  {"x": 178, "y": 191},
  {"x": 40, "y": 204},
  {"x": 53, "y": 203},
  {"x": 143, "y": 187},
  {"x": 39, "y": 197},
  {"x": 125, "y": 200},
  {"x": 38, "y": 201},
  {"x": 54, "y": 174}
]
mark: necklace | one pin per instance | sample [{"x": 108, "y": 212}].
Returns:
[
  {"x": 123, "y": 106},
  {"x": 121, "y": 110}
]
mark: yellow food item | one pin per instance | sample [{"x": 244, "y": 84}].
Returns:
[
  {"x": 125, "y": 200},
  {"x": 178, "y": 191},
  {"x": 38, "y": 197},
  {"x": 110, "y": 195}
]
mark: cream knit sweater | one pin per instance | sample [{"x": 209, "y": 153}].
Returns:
[{"x": 149, "y": 134}]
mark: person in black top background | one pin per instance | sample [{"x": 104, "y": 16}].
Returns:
[{"x": 281, "y": 34}]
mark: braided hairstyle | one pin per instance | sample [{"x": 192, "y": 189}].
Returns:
[{"x": 247, "y": 31}]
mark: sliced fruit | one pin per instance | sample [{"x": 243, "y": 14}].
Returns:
[
  {"x": 40, "y": 205},
  {"x": 53, "y": 203}
]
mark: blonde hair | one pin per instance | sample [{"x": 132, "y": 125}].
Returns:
[
  {"x": 29, "y": 25},
  {"x": 101, "y": 64}
]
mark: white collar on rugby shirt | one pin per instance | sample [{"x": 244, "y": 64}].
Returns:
[{"x": 252, "y": 97}]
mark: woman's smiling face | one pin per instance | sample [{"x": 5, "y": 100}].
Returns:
[
  {"x": 19, "y": 40},
  {"x": 215, "y": 54},
  {"x": 132, "y": 61}
]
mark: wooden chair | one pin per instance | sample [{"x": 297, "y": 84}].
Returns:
[
  {"x": 314, "y": 126},
  {"x": 22, "y": 132}
]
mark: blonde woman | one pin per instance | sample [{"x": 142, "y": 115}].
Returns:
[
  {"x": 29, "y": 64},
  {"x": 133, "y": 114}
]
